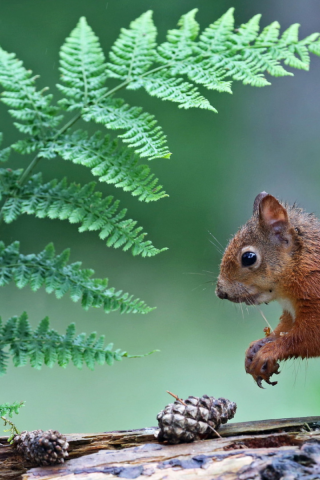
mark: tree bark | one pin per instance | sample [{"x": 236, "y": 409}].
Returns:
[{"x": 268, "y": 449}]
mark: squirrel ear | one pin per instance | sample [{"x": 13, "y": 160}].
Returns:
[
  {"x": 272, "y": 214},
  {"x": 257, "y": 201}
]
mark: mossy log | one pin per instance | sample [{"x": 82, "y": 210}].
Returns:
[{"x": 268, "y": 449}]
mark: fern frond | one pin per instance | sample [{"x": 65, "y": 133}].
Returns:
[
  {"x": 78, "y": 205},
  {"x": 10, "y": 408},
  {"x": 141, "y": 130},
  {"x": 8, "y": 181},
  {"x": 82, "y": 67},
  {"x": 188, "y": 31},
  {"x": 4, "y": 152},
  {"x": 133, "y": 52},
  {"x": 288, "y": 48},
  {"x": 45, "y": 346},
  {"x": 33, "y": 110},
  {"x": 111, "y": 163},
  {"x": 180, "y": 55},
  {"x": 180, "y": 42},
  {"x": 313, "y": 47},
  {"x": 223, "y": 53},
  {"x": 58, "y": 276},
  {"x": 162, "y": 85}
]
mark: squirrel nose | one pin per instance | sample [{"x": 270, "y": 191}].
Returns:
[{"x": 221, "y": 294}]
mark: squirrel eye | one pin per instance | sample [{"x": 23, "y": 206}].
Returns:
[{"x": 248, "y": 259}]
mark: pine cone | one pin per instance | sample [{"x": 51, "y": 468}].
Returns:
[
  {"x": 42, "y": 448},
  {"x": 179, "y": 423}
]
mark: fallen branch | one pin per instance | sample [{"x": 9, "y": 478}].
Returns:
[{"x": 244, "y": 447}]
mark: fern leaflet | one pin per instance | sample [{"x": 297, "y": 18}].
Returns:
[
  {"x": 33, "y": 110},
  {"x": 111, "y": 163},
  {"x": 58, "y": 276},
  {"x": 74, "y": 203},
  {"x": 82, "y": 67},
  {"x": 9, "y": 409},
  {"x": 44, "y": 346},
  {"x": 221, "y": 54},
  {"x": 163, "y": 86},
  {"x": 133, "y": 52},
  {"x": 141, "y": 132},
  {"x": 4, "y": 152}
]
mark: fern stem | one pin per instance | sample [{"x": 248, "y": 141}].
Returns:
[
  {"x": 51, "y": 268},
  {"x": 84, "y": 76},
  {"x": 68, "y": 125},
  {"x": 126, "y": 82},
  {"x": 161, "y": 67},
  {"x": 132, "y": 60},
  {"x": 37, "y": 159},
  {"x": 14, "y": 430},
  {"x": 27, "y": 93},
  {"x": 115, "y": 89},
  {"x": 27, "y": 172}
]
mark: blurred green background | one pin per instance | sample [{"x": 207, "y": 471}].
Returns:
[{"x": 262, "y": 139}]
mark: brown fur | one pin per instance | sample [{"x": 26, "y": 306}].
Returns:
[{"x": 287, "y": 243}]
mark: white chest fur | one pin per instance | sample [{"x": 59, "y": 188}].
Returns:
[{"x": 287, "y": 307}]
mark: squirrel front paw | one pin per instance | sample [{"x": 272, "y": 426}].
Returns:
[
  {"x": 254, "y": 348},
  {"x": 260, "y": 363}
]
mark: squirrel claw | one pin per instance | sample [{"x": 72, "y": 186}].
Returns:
[
  {"x": 259, "y": 363},
  {"x": 259, "y": 380},
  {"x": 273, "y": 383},
  {"x": 267, "y": 380}
]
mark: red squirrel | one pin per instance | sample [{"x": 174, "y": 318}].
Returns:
[{"x": 276, "y": 256}]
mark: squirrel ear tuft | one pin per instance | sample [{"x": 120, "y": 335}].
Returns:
[
  {"x": 257, "y": 201},
  {"x": 272, "y": 213}
]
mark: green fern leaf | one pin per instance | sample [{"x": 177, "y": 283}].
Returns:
[
  {"x": 141, "y": 132},
  {"x": 223, "y": 53},
  {"x": 64, "y": 354},
  {"x": 8, "y": 181},
  {"x": 111, "y": 163},
  {"x": 216, "y": 37},
  {"x": 163, "y": 86},
  {"x": 7, "y": 409},
  {"x": 188, "y": 31},
  {"x": 313, "y": 46},
  {"x": 82, "y": 66},
  {"x": 248, "y": 31},
  {"x": 133, "y": 52},
  {"x": 228, "y": 53},
  {"x": 22, "y": 335},
  {"x": 33, "y": 110},
  {"x": 5, "y": 152},
  {"x": 291, "y": 35},
  {"x": 46, "y": 346},
  {"x": 44, "y": 269},
  {"x": 78, "y": 205},
  {"x": 269, "y": 35},
  {"x": 180, "y": 51}
]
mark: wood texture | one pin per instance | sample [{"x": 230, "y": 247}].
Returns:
[{"x": 244, "y": 452}]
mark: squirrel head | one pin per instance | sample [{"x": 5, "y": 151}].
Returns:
[{"x": 256, "y": 263}]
